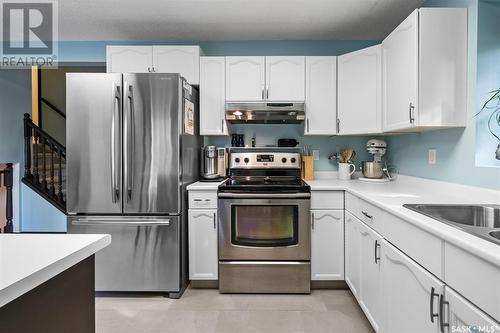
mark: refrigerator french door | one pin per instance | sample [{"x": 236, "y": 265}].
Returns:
[{"x": 126, "y": 175}]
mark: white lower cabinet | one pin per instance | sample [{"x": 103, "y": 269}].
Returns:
[
  {"x": 327, "y": 245},
  {"x": 203, "y": 257},
  {"x": 411, "y": 294},
  {"x": 371, "y": 300},
  {"x": 462, "y": 316},
  {"x": 352, "y": 254}
]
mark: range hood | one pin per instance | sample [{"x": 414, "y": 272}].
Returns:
[{"x": 265, "y": 113}]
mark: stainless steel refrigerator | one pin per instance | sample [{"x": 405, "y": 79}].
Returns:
[{"x": 132, "y": 148}]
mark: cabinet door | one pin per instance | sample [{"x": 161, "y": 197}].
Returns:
[
  {"x": 183, "y": 59},
  {"x": 203, "y": 258},
  {"x": 321, "y": 96},
  {"x": 129, "y": 59},
  {"x": 352, "y": 254},
  {"x": 327, "y": 245},
  {"x": 360, "y": 91},
  {"x": 245, "y": 78},
  {"x": 400, "y": 77},
  {"x": 285, "y": 78},
  {"x": 462, "y": 315},
  {"x": 411, "y": 294},
  {"x": 212, "y": 96},
  {"x": 371, "y": 300}
]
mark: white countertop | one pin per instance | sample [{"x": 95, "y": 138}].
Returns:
[
  {"x": 411, "y": 190},
  {"x": 205, "y": 186},
  {"x": 28, "y": 260}
]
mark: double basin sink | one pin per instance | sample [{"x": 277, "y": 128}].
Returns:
[{"x": 479, "y": 220}]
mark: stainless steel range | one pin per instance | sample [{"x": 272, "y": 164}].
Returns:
[{"x": 264, "y": 233}]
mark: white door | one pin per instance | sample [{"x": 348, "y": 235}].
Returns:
[
  {"x": 360, "y": 91},
  {"x": 212, "y": 96},
  {"x": 203, "y": 257},
  {"x": 183, "y": 59},
  {"x": 352, "y": 254},
  {"x": 371, "y": 299},
  {"x": 321, "y": 96},
  {"x": 285, "y": 78},
  {"x": 400, "y": 76},
  {"x": 411, "y": 294},
  {"x": 327, "y": 245},
  {"x": 245, "y": 78},
  {"x": 462, "y": 315},
  {"x": 129, "y": 59}
]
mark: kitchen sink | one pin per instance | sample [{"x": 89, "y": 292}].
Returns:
[{"x": 479, "y": 220}]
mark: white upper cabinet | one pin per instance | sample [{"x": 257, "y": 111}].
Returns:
[
  {"x": 245, "y": 78},
  {"x": 285, "y": 78},
  {"x": 321, "y": 96},
  {"x": 212, "y": 96},
  {"x": 327, "y": 245},
  {"x": 424, "y": 63},
  {"x": 183, "y": 59},
  {"x": 411, "y": 294},
  {"x": 400, "y": 79},
  {"x": 129, "y": 59},
  {"x": 360, "y": 91}
]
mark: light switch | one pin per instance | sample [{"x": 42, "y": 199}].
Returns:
[
  {"x": 316, "y": 154},
  {"x": 432, "y": 156}
]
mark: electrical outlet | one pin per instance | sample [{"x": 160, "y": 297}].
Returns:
[
  {"x": 316, "y": 154},
  {"x": 432, "y": 156}
]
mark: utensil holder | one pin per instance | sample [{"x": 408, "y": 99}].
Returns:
[{"x": 308, "y": 167}]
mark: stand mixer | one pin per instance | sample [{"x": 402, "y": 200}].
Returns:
[{"x": 375, "y": 170}]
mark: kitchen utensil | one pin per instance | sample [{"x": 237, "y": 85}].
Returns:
[
  {"x": 373, "y": 169},
  {"x": 346, "y": 170}
]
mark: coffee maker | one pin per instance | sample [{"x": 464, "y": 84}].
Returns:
[{"x": 213, "y": 163}]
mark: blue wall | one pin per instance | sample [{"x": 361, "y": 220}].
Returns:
[
  {"x": 488, "y": 79},
  {"x": 455, "y": 147}
]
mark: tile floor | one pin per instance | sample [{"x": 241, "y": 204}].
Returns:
[{"x": 205, "y": 310}]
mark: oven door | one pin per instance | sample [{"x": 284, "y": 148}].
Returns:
[{"x": 264, "y": 227}]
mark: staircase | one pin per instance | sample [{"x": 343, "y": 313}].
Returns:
[{"x": 44, "y": 164}]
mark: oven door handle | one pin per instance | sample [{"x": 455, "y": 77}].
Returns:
[{"x": 265, "y": 195}]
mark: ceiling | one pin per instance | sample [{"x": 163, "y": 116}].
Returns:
[{"x": 230, "y": 19}]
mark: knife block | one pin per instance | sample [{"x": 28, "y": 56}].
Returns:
[{"x": 308, "y": 167}]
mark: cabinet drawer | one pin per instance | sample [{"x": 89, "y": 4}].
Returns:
[
  {"x": 475, "y": 279},
  {"x": 421, "y": 246},
  {"x": 202, "y": 199},
  {"x": 371, "y": 215},
  {"x": 352, "y": 204},
  {"x": 327, "y": 200}
]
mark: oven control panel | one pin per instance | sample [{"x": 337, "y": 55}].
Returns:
[{"x": 258, "y": 160}]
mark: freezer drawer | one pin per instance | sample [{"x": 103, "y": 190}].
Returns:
[{"x": 143, "y": 255}]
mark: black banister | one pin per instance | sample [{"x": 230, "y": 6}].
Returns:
[
  {"x": 53, "y": 107},
  {"x": 8, "y": 182},
  {"x": 44, "y": 158}
]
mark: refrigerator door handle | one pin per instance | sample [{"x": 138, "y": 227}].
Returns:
[
  {"x": 116, "y": 109},
  {"x": 117, "y": 221},
  {"x": 129, "y": 150}
]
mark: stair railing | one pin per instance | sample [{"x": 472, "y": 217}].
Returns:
[
  {"x": 8, "y": 182},
  {"x": 44, "y": 159}
]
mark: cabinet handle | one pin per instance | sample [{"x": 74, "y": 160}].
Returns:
[
  {"x": 377, "y": 258},
  {"x": 222, "y": 126},
  {"x": 411, "y": 110},
  {"x": 431, "y": 307},
  {"x": 367, "y": 215},
  {"x": 263, "y": 97},
  {"x": 312, "y": 221},
  {"x": 338, "y": 125},
  {"x": 215, "y": 221},
  {"x": 267, "y": 93},
  {"x": 442, "y": 303},
  {"x": 307, "y": 123}
]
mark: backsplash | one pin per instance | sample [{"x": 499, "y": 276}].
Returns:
[{"x": 269, "y": 135}]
